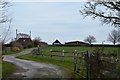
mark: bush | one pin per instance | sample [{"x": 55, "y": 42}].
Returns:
[{"x": 15, "y": 49}]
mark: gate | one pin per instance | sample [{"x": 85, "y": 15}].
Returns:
[{"x": 94, "y": 65}]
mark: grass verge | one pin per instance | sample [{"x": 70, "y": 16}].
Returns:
[{"x": 7, "y": 69}]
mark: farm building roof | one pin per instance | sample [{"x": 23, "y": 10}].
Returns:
[
  {"x": 57, "y": 42},
  {"x": 76, "y": 43}
]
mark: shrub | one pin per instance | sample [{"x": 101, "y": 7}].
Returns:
[{"x": 15, "y": 49}]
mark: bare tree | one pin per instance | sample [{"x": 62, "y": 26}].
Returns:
[
  {"x": 36, "y": 41},
  {"x": 90, "y": 39},
  {"x": 107, "y": 11},
  {"x": 114, "y": 36},
  {"x": 5, "y": 21},
  {"x": 119, "y": 35},
  {"x": 3, "y": 11}
]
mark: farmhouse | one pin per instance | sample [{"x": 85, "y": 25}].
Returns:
[
  {"x": 22, "y": 41},
  {"x": 56, "y": 42},
  {"x": 25, "y": 42},
  {"x": 76, "y": 43}
]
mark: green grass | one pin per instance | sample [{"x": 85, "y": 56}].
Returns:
[
  {"x": 71, "y": 49},
  {"x": 7, "y": 69},
  {"x": 7, "y": 52},
  {"x": 118, "y": 54},
  {"x": 0, "y": 70},
  {"x": 68, "y": 63},
  {"x": 118, "y": 66}
]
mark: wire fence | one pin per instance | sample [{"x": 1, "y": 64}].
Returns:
[{"x": 86, "y": 64}]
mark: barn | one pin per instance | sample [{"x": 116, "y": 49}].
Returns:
[
  {"x": 76, "y": 43},
  {"x": 56, "y": 42}
]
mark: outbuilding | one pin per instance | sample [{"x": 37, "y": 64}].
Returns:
[
  {"x": 57, "y": 42},
  {"x": 76, "y": 43}
]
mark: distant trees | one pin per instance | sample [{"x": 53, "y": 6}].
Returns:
[
  {"x": 90, "y": 39},
  {"x": 114, "y": 36},
  {"x": 107, "y": 11},
  {"x": 36, "y": 41}
]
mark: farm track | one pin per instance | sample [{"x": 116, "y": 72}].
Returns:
[{"x": 32, "y": 69}]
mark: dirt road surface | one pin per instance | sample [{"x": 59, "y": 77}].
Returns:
[{"x": 32, "y": 69}]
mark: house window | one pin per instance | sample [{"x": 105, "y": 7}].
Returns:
[{"x": 23, "y": 40}]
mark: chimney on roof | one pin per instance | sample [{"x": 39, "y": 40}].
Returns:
[
  {"x": 30, "y": 34},
  {"x": 16, "y": 33}
]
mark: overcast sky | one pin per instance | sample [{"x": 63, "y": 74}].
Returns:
[{"x": 56, "y": 20}]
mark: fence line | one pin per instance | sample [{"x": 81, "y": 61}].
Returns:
[{"x": 84, "y": 60}]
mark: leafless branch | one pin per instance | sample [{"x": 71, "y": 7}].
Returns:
[{"x": 107, "y": 12}]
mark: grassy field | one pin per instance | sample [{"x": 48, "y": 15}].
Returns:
[
  {"x": 7, "y": 68},
  {"x": 119, "y": 54},
  {"x": 68, "y": 63}
]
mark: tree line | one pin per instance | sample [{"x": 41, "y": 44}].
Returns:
[{"x": 113, "y": 36}]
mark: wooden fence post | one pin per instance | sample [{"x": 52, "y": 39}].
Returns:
[
  {"x": 42, "y": 53},
  {"x": 88, "y": 65},
  {"x": 63, "y": 55},
  {"x": 75, "y": 55},
  {"x": 38, "y": 49},
  {"x": 51, "y": 53},
  {"x": 78, "y": 62}
]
